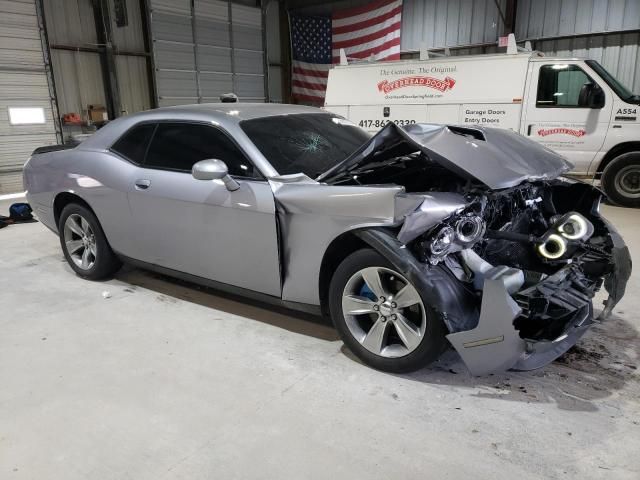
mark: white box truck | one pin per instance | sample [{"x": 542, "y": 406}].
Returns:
[{"x": 573, "y": 106}]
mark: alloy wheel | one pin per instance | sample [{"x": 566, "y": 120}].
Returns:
[
  {"x": 80, "y": 241},
  {"x": 384, "y": 312}
]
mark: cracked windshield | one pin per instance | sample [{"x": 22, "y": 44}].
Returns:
[{"x": 308, "y": 143}]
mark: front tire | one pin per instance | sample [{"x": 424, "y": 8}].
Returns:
[
  {"x": 381, "y": 316},
  {"x": 621, "y": 180},
  {"x": 84, "y": 244}
]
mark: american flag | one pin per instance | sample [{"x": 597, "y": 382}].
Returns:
[{"x": 370, "y": 31}]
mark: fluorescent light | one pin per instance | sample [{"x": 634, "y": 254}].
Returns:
[
  {"x": 10, "y": 196},
  {"x": 26, "y": 115}
]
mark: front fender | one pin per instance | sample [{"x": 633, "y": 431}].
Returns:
[{"x": 438, "y": 287}]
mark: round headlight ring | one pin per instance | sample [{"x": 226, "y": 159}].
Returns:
[
  {"x": 553, "y": 248},
  {"x": 577, "y": 225},
  {"x": 469, "y": 229}
]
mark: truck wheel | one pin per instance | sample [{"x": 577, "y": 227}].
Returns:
[
  {"x": 381, "y": 316},
  {"x": 621, "y": 180}
]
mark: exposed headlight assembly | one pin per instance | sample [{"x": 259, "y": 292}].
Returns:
[
  {"x": 574, "y": 226},
  {"x": 442, "y": 242},
  {"x": 553, "y": 248},
  {"x": 469, "y": 229},
  {"x": 571, "y": 227},
  {"x": 462, "y": 233}
]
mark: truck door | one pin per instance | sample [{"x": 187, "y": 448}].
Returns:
[{"x": 567, "y": 111}]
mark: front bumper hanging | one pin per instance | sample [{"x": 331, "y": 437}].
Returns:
[{"x": 487, "y": 339}]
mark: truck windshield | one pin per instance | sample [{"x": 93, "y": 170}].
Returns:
[
  {"x": 623, "y": 92},
  {"x": 304, "y": 143}
]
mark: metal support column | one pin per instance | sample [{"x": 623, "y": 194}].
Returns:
[{"x": 107, "y": 57}]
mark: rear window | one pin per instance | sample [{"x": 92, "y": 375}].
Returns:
[
  {"x": 304, "y": 143},
  {"x": 133, "y": 144}
]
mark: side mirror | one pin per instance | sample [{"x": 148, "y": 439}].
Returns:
[
  {"x": 214, "y": 170},
  {"x": 591, "y": 96},
  {"x": 596, "y": 97}
]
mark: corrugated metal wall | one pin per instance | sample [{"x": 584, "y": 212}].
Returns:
[
  {"x": 620, "y": 54},
  {"x": 78, "y": 74},
  {"x": 455, "y": 23},
  {"x": 23, "y": 83},
  {"x": 449, "y": 23},
  {"x": 536, "y": 19},
  {"x": 199, "y": 55},
  {"x": 542, "y": 20}
]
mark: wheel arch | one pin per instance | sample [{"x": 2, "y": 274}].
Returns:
[
  {"x": 458, "y": 307},
  {"x": 340, "y": 248},
  {"x": 63, "y": 199},
  {"x": 616, "y": 151}
]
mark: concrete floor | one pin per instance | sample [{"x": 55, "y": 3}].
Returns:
[{"x": 164, "y": 380}]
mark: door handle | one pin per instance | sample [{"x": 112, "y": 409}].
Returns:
[
  {"x": 529, "y": 129},
  {"x": 142, "y": 184}
]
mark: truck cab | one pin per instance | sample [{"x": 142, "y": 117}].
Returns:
[{"x": 570, "y": 105}]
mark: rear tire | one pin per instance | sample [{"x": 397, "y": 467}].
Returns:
[
  {"x": 383, "y": 320},
  {"x": 84, "y": 244},
  {"x": 621, "y": 180}
]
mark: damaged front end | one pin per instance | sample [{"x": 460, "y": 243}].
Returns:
[
  {"x": 512, "y": 273},
  {"x": 543, "y": 255},
  {"x": 511, "y": 270}
]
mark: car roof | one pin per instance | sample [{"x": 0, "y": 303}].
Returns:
[
  {"x": 238, "y": 110},
  {"x": 225, "y": 114}
]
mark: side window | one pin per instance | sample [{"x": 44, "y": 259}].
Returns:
[
  {"x": 133, "y": 144},
  {"x": 177, "y": 146},
  {"x": 562, "y": 86}
]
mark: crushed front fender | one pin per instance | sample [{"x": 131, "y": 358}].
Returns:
[{"x": 486, "y": 335}]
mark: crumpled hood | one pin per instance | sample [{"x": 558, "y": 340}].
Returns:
[{"x": 496, "y": 157}]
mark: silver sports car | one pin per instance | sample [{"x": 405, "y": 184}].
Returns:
[{"x": 410, "y": 240}]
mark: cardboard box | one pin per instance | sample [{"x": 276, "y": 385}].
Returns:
[{"x": 98, "y": 114}]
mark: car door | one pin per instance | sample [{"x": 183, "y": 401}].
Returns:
[
  {"x": 559, "y": 116},
  {"x": 200, "y": 227}
]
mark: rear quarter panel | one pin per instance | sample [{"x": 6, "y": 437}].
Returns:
[{"x": 100, "y": 178}]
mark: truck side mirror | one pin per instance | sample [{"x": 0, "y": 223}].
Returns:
[
  {"x": 596, "y": 97},
  {"x": 591, "y": 96}
]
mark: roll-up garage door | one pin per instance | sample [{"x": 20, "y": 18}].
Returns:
[
  {"x": 26, "y": 116},
  {"x": 205, "y": 48}
]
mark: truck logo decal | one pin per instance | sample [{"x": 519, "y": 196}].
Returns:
[
  {"x": 417, "y": 81},
  {"x": 562, "y": 131}
]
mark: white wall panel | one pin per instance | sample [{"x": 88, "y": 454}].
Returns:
[
  {"x": 23, "y": 83},
  {"x": 78, "y": 80},
  {"x": 133, "y": 78},
  {"x": 70, "y": 22},
  {"x": 214, "y": 59}
]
